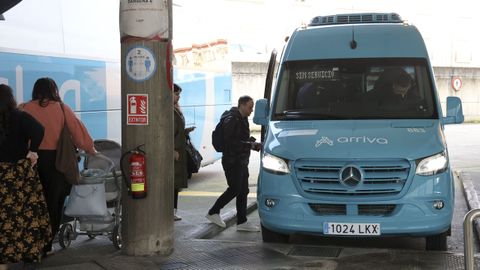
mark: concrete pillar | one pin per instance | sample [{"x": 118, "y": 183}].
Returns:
[{"x": 146, "y": 89}]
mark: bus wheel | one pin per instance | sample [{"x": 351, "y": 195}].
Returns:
[
  {"x": 273, "y": 237},
  {"x": 436, "y": 242}
]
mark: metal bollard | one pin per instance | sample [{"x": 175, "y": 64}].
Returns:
[{"x": 468, "y": 238}]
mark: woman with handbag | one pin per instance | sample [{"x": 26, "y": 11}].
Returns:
[
  {"x": 180, "y": 141},
  {"x": 47, "y": 107},
  {"x": 24, "y": 223}
]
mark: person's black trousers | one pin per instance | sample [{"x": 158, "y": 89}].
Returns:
[
  {"x": 237, "y": 180},
  {"x": 175, "y": 198},
  {"x": 55, "y": 187}
]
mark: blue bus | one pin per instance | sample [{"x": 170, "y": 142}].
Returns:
[{"x": 354, "y": 142}]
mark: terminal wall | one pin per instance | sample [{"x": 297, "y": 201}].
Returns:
[
  {"x": 469, "y": 93},
  {"x": 248, "y": 78}
]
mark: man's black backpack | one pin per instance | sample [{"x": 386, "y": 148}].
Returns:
[{"x": 217, "y": 134}]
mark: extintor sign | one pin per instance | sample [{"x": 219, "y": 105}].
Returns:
[{"x": 137, "y": 109}]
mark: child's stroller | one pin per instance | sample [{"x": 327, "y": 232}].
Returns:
[{"x": 95, "y": 204}]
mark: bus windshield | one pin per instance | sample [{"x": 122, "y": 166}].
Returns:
[{"x": 355, "y": 89}]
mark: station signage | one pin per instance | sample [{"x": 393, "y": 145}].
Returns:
[
  {"x": 144, "y": 19},
  {"x": 140, "y": 63},
  {"x": 457, "y": 83},
  {"x": 137, "y": 109}
]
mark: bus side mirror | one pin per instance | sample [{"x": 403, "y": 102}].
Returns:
[
  {"x": 261, "y": 112},
  {"x": 454, "y": 111}
]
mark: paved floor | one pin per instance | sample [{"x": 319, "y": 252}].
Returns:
[{"x": 226, "y": 252}]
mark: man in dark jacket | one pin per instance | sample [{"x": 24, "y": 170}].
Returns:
[{"x": 237, "y": 144}]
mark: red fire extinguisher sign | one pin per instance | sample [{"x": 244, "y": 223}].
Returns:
[{"x": 137, "y": 109}]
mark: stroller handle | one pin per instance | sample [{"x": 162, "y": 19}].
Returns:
[{"x": 97, "y": 161}]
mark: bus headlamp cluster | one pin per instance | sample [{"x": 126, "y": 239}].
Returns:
[
  {"x": 432, "y": 165},
  {"x": 274, "y": 164}
]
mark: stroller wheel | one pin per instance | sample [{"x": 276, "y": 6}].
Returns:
[
  {"x": 117, "y": 237},
  {"x": 65, "y": 235}
]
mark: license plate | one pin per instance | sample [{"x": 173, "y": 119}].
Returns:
[{"x": 333, "y": 228}]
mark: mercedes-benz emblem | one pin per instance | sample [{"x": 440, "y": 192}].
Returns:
[{"x": 350, "y": 176}]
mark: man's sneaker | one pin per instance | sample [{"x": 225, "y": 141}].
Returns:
[
  {"x": 215, "y": 218},
  {"x": 247, "y": 227}
]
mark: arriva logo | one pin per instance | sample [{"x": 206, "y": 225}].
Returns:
[
  {"x": 322, "y": 141},
  {"x": 361, "y": 139}
]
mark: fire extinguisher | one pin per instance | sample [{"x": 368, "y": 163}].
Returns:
[{"x": 137, "y": 173}]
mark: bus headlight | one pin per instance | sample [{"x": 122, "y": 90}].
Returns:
[
  {"x": 432, "y": 165},
  {"x": 274, "y": 164}
]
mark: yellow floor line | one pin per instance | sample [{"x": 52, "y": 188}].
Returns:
[{"x": 208, "y": 194}]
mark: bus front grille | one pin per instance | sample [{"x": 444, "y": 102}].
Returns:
[{"x": 375, "y": 177}]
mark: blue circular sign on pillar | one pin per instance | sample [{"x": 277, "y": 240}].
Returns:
[{"x": 140, "y": 63}]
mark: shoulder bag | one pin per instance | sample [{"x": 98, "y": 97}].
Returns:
[
  {"x": 86, "y": 201},
  {"x": 66, "y": 160},
  {"x": 194, "y": 158}
]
